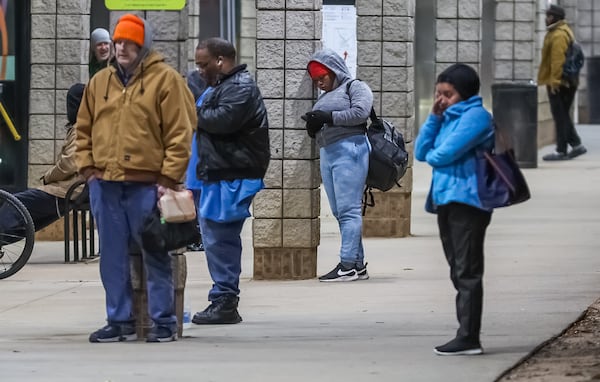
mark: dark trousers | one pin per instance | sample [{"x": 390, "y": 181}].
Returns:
[
  {"x": 462, "y": 230},
  {"x": 560, "y": 105},
  {"x": 43, "y": 208}
]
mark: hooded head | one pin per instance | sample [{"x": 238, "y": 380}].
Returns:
[
  {"x": 329, "y": 60},
  {"x": 556, "y": 11},
  {"x": 133, "y": 39},
  {"x": 464, "y": 79},
  {"x": 74, "y": 96}
]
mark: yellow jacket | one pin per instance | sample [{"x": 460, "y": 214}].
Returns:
[
  {"x": 139, "y": 132},
  {"x": 554, "y": 51}
]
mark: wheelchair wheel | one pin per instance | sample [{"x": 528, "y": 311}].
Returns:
[{"x": 16, "y": 244}]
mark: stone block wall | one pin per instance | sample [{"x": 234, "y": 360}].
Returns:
[
  {"x": 385, "y": 34},
  {"x": 59, "y": 55},
  {"x": 458, "y": 33},
  {"x": 286, "y": 214}
]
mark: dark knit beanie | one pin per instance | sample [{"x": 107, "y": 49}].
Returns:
[
  {"x": 464, "y": 79},
  {"x": 556, "y": 11},
  {"x": 74, "y": 96}
]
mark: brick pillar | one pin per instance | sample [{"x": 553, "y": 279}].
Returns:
[
  {"x": 385, "y": 33},
  {"x": 286, "y": 214},
  {"x": 59, "y": 56}
]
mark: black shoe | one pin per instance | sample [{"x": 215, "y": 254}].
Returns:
[
  {"x": 556, "y": 156},
  {"x": 161, "y": 334},
  {"x": 221, "y": 311},
  {"x": 340, "y": 273},
  {"x": 114, "y": 333},
  {"x": 361, "y": 272},
  {"x": 577, "y": 151},
  {"x": 459, "y": 346}
]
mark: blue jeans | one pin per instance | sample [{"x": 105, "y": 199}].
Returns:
[
  {"x": 344, "y": 167},
  {"x": 223, "y": 249},
  {"x": 120, "y": 209}
]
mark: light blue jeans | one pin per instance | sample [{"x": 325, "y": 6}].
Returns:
[{"x": 344, "y": 167}]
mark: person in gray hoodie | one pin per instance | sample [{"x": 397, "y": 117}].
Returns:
[{"x": 338, "y": 122}]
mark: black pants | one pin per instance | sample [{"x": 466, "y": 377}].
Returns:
[
  {"x": 43, "y": 208},
  {"x": 462, "y": 230},
  {"x": 560, "y": 105}
]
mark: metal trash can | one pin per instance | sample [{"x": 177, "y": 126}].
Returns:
[
  {"x": 514, "y": 106},
  {"x": 593, "y": 90}
]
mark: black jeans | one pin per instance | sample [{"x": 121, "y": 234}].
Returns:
[
  {"x": 462, "y": 230},
  {"x": 43, "y": 208},
  {"x": 560, "y": 105}
]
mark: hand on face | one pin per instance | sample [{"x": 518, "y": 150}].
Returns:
[{"x": 445, "y": 96}]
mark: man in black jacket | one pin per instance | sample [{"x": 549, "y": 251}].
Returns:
[{"x": 233, "y": 155}]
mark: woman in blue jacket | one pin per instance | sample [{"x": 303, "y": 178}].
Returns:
[{"x": 457, "y": 128}]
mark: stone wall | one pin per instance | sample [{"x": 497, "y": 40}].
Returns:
[
  {"x": 59, "y": 55},
  {"x": 286, "y": 214},
  {"x": 385, "y": 34}
]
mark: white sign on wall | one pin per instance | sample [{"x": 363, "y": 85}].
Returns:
[{"x": 339, "y": 32}]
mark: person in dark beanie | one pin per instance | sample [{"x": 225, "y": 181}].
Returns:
[
  {"x": 561, "y": 91},
  {"x": 456, "y": 130},
  {"x": 134, "y": 134},
  {"x": 46, "y": 203}
]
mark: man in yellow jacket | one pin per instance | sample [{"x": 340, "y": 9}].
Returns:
[
  {"x": 561, "y": 91},
  {"x": 134, "y": 130}
]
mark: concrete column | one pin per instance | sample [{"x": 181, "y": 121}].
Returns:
[
  {"x": 385, "y": 33},
  {"x": 247, "y": 41},
  {"x": 286, "y": 214},
  {"x": 59, "y": 46}
]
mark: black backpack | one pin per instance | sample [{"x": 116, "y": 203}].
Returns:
[
  {"x": 574, "y": 60},
  {"x": 388, "y": 160}
]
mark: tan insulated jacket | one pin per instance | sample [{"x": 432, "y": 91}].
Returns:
[
  {"x": 554, "y": 51},
  {"x": 139, "y": 132},
  {"x": 63, "y": 174}
]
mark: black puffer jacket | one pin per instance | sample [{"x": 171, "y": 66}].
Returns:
[{"x": 233, "y": 130}]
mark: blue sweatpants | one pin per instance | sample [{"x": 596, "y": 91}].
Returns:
[{"x": 120, "y": 209}]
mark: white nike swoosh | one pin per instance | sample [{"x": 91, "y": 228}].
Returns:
[{"x": 344, "y": 273}]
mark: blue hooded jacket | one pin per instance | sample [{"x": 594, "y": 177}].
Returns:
[{"x": 449, "y": 144}]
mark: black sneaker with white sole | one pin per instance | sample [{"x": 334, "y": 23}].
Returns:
[
  {"x": 361, "y": 272},
  {"x": 340, "y": 273},
  {"x": 161, "y": 333},
  {"x": 459, "y": 346},
  {"x": 114, "y": 333}
]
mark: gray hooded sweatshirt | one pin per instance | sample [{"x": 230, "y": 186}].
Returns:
[{"x": 350, "y": 109}]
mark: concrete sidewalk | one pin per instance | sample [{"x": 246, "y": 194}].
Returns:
[{"x": 542, "y": 271}]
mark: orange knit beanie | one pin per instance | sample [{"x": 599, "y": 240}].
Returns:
[{"x": 130, "y": 27}]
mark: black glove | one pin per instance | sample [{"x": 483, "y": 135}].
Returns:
[
  {"x": 312, "y": 124},
  {"x": 322, "y": 116}
]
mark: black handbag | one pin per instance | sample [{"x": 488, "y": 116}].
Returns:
[
  {"x": 500, "y": 181},
  {"x": 158, "y": 235}
]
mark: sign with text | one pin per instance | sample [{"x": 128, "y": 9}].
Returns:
[
  {"x": 339, "y": 32},
  {"x": 120, "y": 5}
]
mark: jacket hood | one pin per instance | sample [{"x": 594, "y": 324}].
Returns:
[
  {"x": 333, "y": 62},
  {"x": 145, "y": 49}
]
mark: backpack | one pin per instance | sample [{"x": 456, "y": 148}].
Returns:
[
  {"x": 388, "y": 159},
  {"x": 574, "y": 60}
]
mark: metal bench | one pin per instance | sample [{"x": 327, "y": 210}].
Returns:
[{"x": 80, "y": 208}]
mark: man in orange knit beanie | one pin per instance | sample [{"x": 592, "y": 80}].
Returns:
[{"x": 134, "y": 130}]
